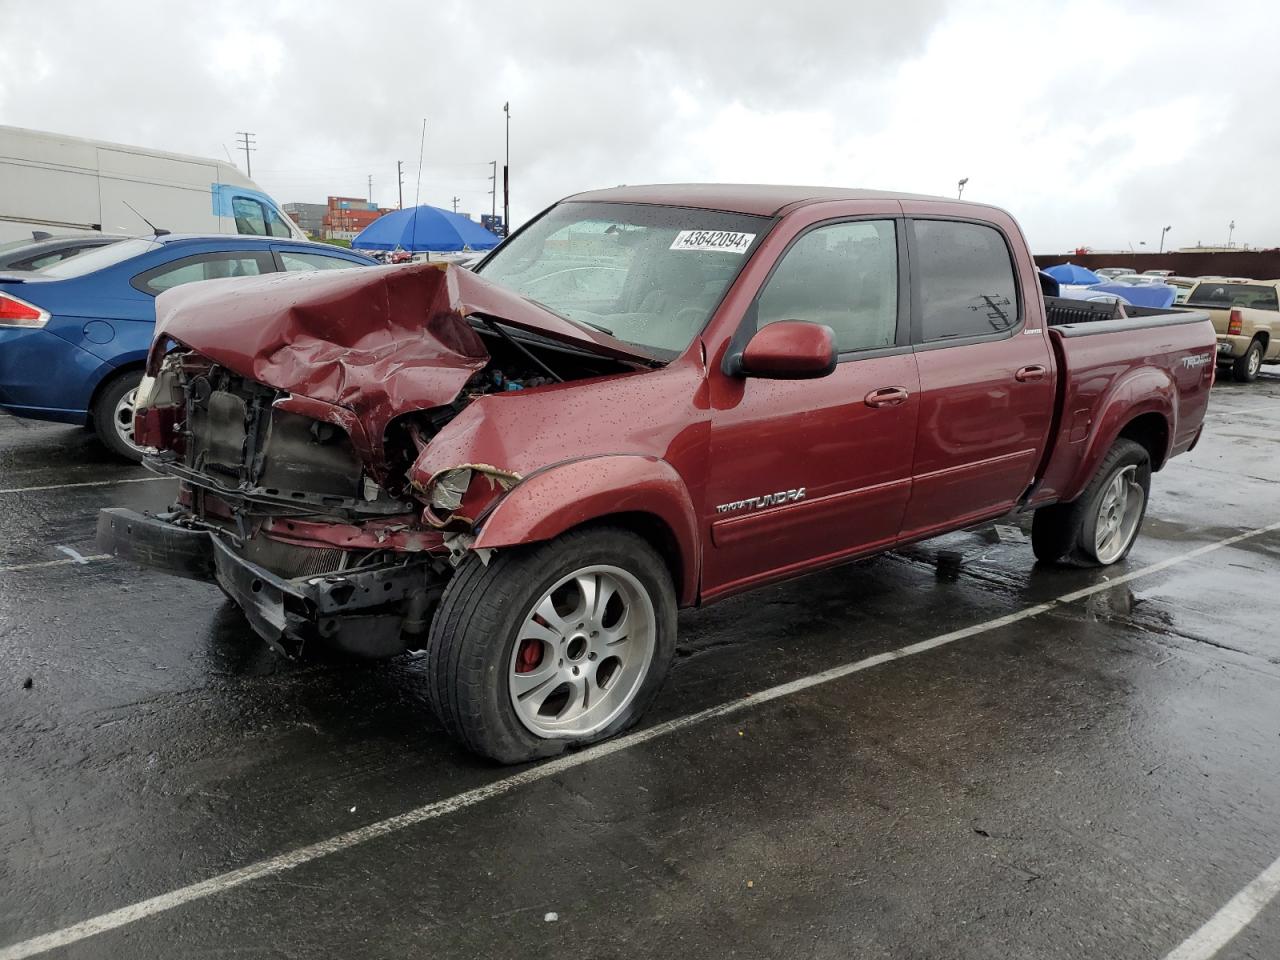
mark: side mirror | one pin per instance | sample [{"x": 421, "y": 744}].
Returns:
[{"x": 789, "y": 350}]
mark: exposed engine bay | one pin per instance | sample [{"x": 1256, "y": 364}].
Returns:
[{"x": 278, "y": 480}]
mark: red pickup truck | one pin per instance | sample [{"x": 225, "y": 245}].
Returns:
[{"x": 647, "y": 398}]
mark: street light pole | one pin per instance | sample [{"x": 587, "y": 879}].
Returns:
[
  {"x": 506, "y": 176},
  {"x": 1230, "y": 230},
  {"x": 960, "y": 187},
  {"x": 1162, "y": 233}
]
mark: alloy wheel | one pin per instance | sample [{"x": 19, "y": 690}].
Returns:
[
  {"x": 582, "y": 653},
  {"x": 1119, "y": 513}
]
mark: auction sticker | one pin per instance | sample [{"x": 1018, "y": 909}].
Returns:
[{"x": 717, "y": 241}]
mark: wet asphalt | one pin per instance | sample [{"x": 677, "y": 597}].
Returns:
[{"x": 1095, "y": 781}]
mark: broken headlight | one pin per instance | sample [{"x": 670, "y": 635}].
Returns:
[{"x": 449, "y": 488}]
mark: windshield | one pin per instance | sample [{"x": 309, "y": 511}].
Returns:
[
  {"x": 646, "y": 274},
  {"x": 99, "y": 258},
  {"x": 1253, "y": 295}
]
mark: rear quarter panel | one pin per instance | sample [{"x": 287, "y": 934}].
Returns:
[{"x": 1111, "y": 378}]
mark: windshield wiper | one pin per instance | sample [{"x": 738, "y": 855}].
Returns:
[
  {"x": 574, "y": 320},
  {"x": 493, "y": 325}
]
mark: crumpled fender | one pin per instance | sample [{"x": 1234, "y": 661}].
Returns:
[
  {"x": 559, "y": 497},
  {"x": 1145, "y": 390}
]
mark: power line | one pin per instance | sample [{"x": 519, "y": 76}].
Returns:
[
  {"x": 421, "y": 147},
  {"x": 247, "y": 147}
]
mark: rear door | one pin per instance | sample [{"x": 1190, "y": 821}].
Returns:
[
  {"x": 987, "y": 376},
  {"x": 809, "y": 471}
]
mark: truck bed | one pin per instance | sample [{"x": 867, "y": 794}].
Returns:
[
  {"x": 1105, "y": 355},
  {"x": 1073, "y": 318}
]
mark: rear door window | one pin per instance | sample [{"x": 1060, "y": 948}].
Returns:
[
  {"x": 204, "y": 266},
  {"x": 296, "y": 262},
  {"x": 965, "y": 278}
]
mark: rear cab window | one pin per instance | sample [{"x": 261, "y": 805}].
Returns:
[
  {"x": 965, "y": 288},
  {"x": 1254, "y": 296}
]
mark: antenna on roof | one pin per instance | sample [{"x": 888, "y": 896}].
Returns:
[{"x": 155, "y": 231}]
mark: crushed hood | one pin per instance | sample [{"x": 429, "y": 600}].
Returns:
[{"x": 379, "y": 341}]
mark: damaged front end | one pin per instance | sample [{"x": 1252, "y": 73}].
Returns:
[{"x": 293, "y": 410}]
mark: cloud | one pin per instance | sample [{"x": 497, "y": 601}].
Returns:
[{"x": 1094, "y": 122}]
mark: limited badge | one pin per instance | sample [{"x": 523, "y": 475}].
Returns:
[{"x": 716, "y": 241}]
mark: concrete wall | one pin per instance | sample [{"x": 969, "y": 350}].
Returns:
[{"x": 1255, "y": 264}]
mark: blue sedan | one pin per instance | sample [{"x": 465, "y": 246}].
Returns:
[{"x": 73, "y": 337}]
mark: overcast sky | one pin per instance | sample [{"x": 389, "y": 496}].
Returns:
[{"x": 1093, "y": 122}]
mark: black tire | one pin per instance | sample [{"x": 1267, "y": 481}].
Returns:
[
  {"x": 1064, "y": 532},
  {"x": 104, "y": 413},
  {"x": 473, "y": 635},
  {"x": 1245, "y": 369}
]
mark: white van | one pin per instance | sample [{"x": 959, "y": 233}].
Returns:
[{"x": 59, "y": 184}]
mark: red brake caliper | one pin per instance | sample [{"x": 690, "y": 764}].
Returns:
[{"x": 530, "y": 655}]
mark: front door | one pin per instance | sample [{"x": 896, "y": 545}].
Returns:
[{"x": 809, "y": 471}]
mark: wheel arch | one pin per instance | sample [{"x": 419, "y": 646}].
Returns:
[
  {"x": 639, "y": 493},
  {"x": 109, "y": 374},
  {"x": 1151, "y": 431},
  {"x": 1143, "y": 408}
]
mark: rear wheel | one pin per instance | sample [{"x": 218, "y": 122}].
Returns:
[
  {"x": 113, "y": 414},
  {"x": 1098, "y": 528},
  {"x": 1246, "y": 368},
  {"x": 560, "y": 644}
]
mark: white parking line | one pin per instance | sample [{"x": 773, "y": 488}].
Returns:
[
  {"x": 77, "y": 559},
  {"x": 87, "y": 483},
  {"x": 441, "y": 808},
  {"x": 1223, "y": 926}
]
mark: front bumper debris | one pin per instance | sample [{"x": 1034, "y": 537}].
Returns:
[
  {"x": 156, "y": 542},
  {"x": 365, "y": 611}
]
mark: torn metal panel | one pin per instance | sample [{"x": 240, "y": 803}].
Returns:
[{"x": 379, "y": 342}]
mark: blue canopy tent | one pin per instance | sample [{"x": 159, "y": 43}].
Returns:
[
  {"x": 1140, "y": 295},
  {"x": 1069, "y": 273},
  {"x": 421, "y": 229}
]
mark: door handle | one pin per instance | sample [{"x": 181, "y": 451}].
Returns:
[
  {"x": 1033, "y": 372},
  {"x": 886, "y": 397}
]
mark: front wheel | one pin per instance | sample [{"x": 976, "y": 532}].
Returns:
[
  {"x": 563, "y": 643},
  {"x": 1100, "y": 526}
]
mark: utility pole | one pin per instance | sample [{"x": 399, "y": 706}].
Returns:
[
  {"x": 369, "y": 195},
  {"x": 400, "y": 178},
  {"x": 506, "y": 176},
  {"x": 1230, "y": 230},
  {"x": 455, "y": 204},
  {"x": 493, "y": 189},
  {"x": 247, "y": 145}
]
